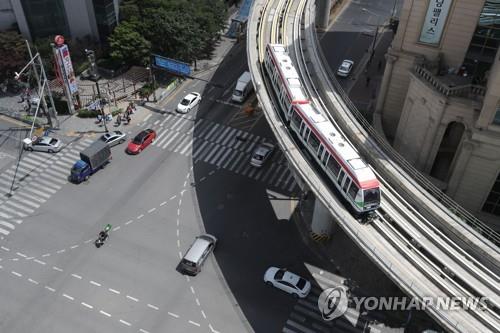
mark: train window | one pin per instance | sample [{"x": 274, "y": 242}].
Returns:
[
  {"x": 346, "y": 184},
  {"x": 296, "y": 120},
  {"x": 353, "y": 190},
  {"x": 372, "y": 195},
  {"x": 313, "y": 141},
  {"x": 333, "y": 166},
  {"x": 341, "y": 176}
]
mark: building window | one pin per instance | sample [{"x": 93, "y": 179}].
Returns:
[
  {"x": 46, "y": 18},
  {"x": 492, "y": 203},
  {"x": 485, "y": 41},
  {"x": 105, "y": 16},
  {"x": 496, "y": 120}
]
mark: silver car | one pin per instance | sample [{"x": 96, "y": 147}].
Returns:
[
  {"x": 45, "y": 144},
  {"x": 287, "y": 281},
  {"x": 261, "y": 154},
  {"x": 345, "y": 68},
  {"x": 114, "y": 138}
]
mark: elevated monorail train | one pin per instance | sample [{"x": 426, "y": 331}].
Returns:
[{"x": 354, "y": 180}]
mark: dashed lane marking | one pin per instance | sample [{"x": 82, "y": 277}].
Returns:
[
  {"x": 154, "y": 307},
  {"x": 173, "y": 314},
  {"x": 194, "y": 323},
  {"x": 105, "y": 313},
  {"x": 68, "y": 297}
]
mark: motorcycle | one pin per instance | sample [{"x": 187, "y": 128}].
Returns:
[{"x": 103, "y": 235}]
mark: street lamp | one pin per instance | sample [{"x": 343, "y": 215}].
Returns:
[{"x": 94, "y": 76}]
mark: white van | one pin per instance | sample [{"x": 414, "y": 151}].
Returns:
[
  {"x": 195, "y": 256},
  {"x": 243, "y": 88}
]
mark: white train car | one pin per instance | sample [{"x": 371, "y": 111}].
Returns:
[{"x": 352, "y": 177}]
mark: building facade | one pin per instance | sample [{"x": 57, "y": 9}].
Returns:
[
  {"x": 440, "y": 98},
  {"x": 71, "y": 18}
]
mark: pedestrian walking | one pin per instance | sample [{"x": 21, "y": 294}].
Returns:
[{"x": 367, "y": 81}]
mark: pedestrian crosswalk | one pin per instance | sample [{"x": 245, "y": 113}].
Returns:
[
  {"x": 37, "y": 178},
  {"x": 223, "y": 146},
  {"x": 306, "y": 317}
]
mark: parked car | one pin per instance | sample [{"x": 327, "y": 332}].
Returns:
[
  {"x": 261, "y": 154},
  {"x": 287, "y": 281},
  {"x": 189, "y": 102},
  {"x": 45, "y": 143},
  {"x": 141, "y": 141},
  {"x": 345, "y": 68},
  {"x": 114, "y": 138}
]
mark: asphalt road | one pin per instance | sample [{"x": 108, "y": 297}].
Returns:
[{"x": 352, "y": 35}]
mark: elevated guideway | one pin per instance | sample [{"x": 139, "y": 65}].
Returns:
[{"x": 405, "y": 243}]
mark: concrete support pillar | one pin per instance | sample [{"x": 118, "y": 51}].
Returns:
[
  {"x": 460, "y": 166},
  {"x": 322, "y": 224},
  {"x": 390, "y": 60},
  {"x": 323, "y": 13}
]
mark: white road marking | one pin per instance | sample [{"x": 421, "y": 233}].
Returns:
[
  {"x": 147, "y": 117},
  {"x": 212, "y": 329},
  {"x": 76, "y": 276},
  {"x": 192, "y": 289},
  {"x": 87, "y": 305},
  {"x": 46, "y": 255},
  {"x": 116, "y": 228},
  {"x": 21, "y": 254},
  {"x": 132, "y": 298},
  {"x": 151, "y": 210},
  {"x": 178, "y": 243},
  {"x": 68, "y": 297},
  {"x": 178, "y": 212},
  {"x": 95, "y": 283},
  {"x": 16, "y": 274},
  {"x": 61, "y": 251},
  {"x": 143, "y": 331},
  {"x": 105, "y": 313},
  {"x": 39, "y": 262},
  {"x": 163, "y": 203},
  {"x": 172, "y": 198},
  {"x": 194, "y": 323},
  {"x": 88, "y": 241},
  {"x": 4, "y": 248},
  {"x": 74, "y": 246},
  {"x": 197, "y": 301},
  {"x": 180, "y": 255},
  {"x": 50, "y": 289},
  {"x": 128, "y": 222},
  {"x": 140, "y": 216},
  {"x": 114, "y": 291},
  {"x": 32, "y": 281},
  {"x": 203, "y": 314},
  {"x": 154, "y": 307},
  {"x": 173, "y": 315}
]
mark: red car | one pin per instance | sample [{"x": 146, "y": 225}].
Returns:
[{"x": 141, "y": 141}]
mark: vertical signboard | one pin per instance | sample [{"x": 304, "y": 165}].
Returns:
[
  {"x": 66, "y": 67},
  {"x": 433, "y": 26}
]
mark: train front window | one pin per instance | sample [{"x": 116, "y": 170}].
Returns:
[{"x": 372, "y": 195}]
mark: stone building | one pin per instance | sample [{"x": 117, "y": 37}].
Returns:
[{"x": 440, "y": 98}]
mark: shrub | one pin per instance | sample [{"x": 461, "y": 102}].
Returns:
[{"x": 86, "y": 113}]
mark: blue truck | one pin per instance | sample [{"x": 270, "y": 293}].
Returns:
[{"x": 94, "y": 157}]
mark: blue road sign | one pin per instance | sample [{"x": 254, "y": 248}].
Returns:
[{"x": 173, "y": 66}]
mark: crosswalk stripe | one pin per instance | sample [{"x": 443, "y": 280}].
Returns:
[
  {"x": 251, "y": 146},
  {"x": 259, "y": 173},
  {"x": 56, "y": 176},
  {"x": 264, "y": 178},
  {"x": 223, "y": 157},
  {"x": 165, "y": 138},
  {"x": 240, "y": 155},
  {"x": 199, "y": 149},
  {"x": 35, "y": 191},
  {"x": 5, "y": 232},
  {"x": 48, "y": 182},
  {"x": 12, "y": 211},
  {"x": 202, "y": 130},
  {"x": 212, "y": 152},
  {"x": 40, "y": 186},
  {"x": 229, "y": 135},
  {"x": 18, "y": 197},
  {"x": 70, "y": 161},
  {"x": 31, "y": 197},
  {"x": 58, "y": 168},
  {"x": 15, "y": 205},
  {"x": 64, "y": 164},
  {"x": 162, "y": 133},
  {"x": 178, "y": 120},
  {"x": 240, "y": 142},
  {"x": 182, "y": 142},
  {"x": 252, "y": 171},
  {"x": 29, "y": 164},
  {"x": 35, "y": 158},
  {"x": 210, "y": 134},
  {"x": 205, "y": 151},
  {"x": 196, "y": 126},
  {"x": 223, "y": 134},
  {"x": 288, "y": 179},
  {"x": 231, "y": 157},
  {"x": 247, "y": 168},
  {"x": 8, "y": 225},
  {"x": 275, "y": 174},
  {"x": 280, "y": 178},
  {"x": 242, "y": 164},
  {"x": 170, "y": 140},
  {"x": 186, "y": 149}
]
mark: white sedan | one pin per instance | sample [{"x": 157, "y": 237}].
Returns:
[
  {"x": 189, "y": 102},
  {"x": 114, "y": 138},
  {"x": 287, "y": 281},
  {"x": 46, "y": 144},
  {"x": 345, "y": 68}
]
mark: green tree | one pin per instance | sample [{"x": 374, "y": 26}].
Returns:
[
  {"x": 13, "y": 54},
  {"x": 128, "y": 45}
]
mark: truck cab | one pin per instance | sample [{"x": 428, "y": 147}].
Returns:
[{"x": 80, "y": 171}]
